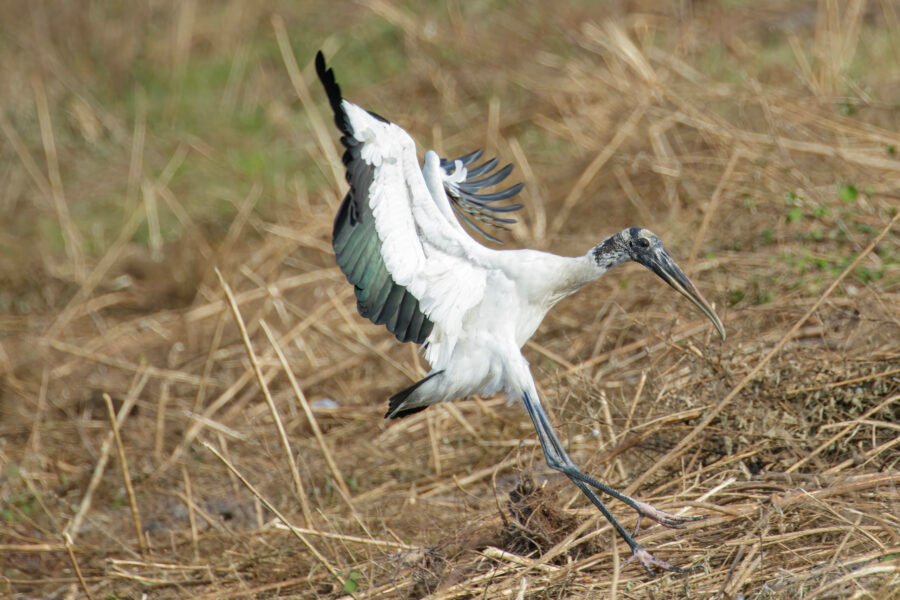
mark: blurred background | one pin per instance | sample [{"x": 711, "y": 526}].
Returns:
[{"x": 144, "y": 143}]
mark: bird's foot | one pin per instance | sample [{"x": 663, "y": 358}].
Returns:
[
  {"x": 664, "y": 518},
  {"x": 651, "y": 563}
]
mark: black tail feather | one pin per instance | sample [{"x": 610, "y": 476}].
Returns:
[{"x": 397, "y": 400}]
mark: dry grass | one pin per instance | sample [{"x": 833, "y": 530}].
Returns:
[{"x": 143, "y": 145}]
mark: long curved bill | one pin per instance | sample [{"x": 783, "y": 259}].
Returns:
[{"x": 663, "y": 265}]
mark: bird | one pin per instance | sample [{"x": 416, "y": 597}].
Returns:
[{"x": 417, "y": 271}]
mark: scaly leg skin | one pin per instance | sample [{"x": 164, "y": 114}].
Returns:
[
  {"x": 648, "y": 561},
  {"x": 663, "y": 518},
  {"x": 643, "y": 509},
  {"x": 559, "y": 460}
]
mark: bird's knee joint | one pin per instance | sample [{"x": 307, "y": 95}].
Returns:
[
  {"x": 572, "y": 471},
  {"x": 558, "y": 464}
]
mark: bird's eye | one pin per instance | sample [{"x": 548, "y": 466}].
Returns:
[{"x": 643, "y": 242}]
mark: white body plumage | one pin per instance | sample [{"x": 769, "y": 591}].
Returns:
[{"x": 484, "y": 303}]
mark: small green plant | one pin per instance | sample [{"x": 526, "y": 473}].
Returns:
[
  {"x": 847, "y": 108},
  {"x": 735, "y": 296},
  {"x": 848, "y": 192},
  {"x": 763, "y": 297},
  {"x": 795, "y": 210},
  {"x": 816, "y": 235},
  {"x": 351, "y": 583},
  {"x": 867, "y": 275},
  {"x": 23, "y": 504}
]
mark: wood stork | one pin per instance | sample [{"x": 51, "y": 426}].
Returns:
[{"x": 472, "y": 308}]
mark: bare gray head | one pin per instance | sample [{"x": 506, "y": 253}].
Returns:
[{"x": 642, "y": 246}]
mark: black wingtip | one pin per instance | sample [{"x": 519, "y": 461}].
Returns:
[
  {"x": 481, "y": 169},
  {"x": 474, "y": 208},
  {"x": 320, "y": 64},
  {"x": 333, "y": 91}
]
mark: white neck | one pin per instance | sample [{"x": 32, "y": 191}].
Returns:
[{"x": 576, "y": 272}]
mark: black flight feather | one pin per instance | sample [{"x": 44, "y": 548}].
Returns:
[{"x": 355, "y": 241}]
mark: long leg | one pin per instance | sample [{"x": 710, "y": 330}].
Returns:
[
  {"x": 558, "y": 459},
  {"x": 546, "y": 432}
]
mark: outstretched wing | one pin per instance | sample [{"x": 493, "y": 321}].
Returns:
[
  {"x": 413, "y": 271},
  {"x": 474, "y": 207}
]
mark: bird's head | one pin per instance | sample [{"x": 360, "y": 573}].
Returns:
[{"x": 642, "y": 246}]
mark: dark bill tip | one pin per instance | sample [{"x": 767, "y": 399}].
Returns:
[{"x": 669, "y": 272}]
